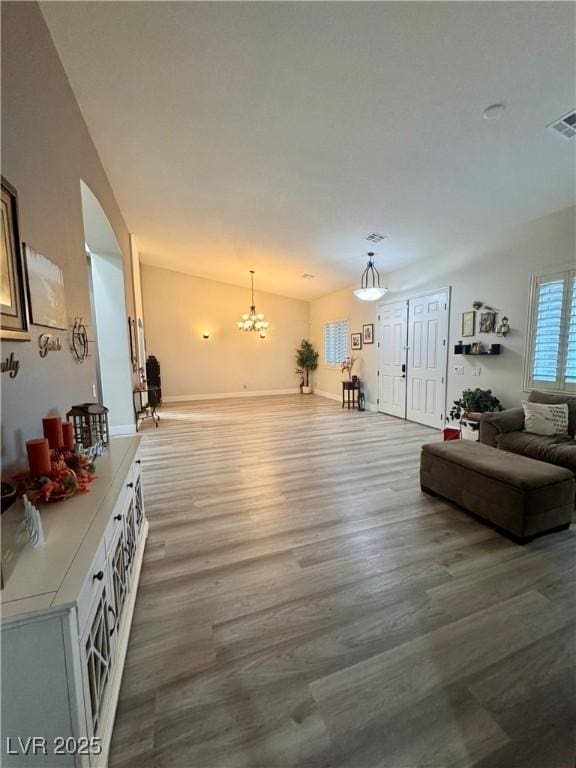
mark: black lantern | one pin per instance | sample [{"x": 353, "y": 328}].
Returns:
[{"x": 90, "y": 424}]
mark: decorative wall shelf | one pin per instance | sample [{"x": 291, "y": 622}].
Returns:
[{"x": 466, "y": 349}]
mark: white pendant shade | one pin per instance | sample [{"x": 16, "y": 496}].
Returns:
[{"x": 370, "y": 294}]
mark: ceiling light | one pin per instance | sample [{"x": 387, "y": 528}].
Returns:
[
  {"x": 308, "y": 276},
  {"x": 370, "y": 292},
  {"x": 253, "y": 321},
  {"x": 376, "y": 237},
  {"x": 494, "y": 111}
]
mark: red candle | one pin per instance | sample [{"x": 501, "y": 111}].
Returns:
[
  {"x": 68, "y": 435},
  {"x": 39, "y": 456},
  {"x": 53, "y": 431}
]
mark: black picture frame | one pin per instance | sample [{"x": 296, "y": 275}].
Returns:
[
  {"x": 14, "y": 323},
  {"x": 487, "y": 322},
  {"x": 132, "y": 337},
  {"x": 368, "y": 333},
  {"x": 355, "y": 341}
]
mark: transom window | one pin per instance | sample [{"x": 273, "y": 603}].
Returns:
[
  {"x": 335, "y": 342},
  {"x": 552, "y": 333}
]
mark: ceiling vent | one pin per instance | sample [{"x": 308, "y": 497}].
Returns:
[
  {"x": 565, "y": 126},
  {"x": 307, "y": 276},
  {"x": 374, "y": 237}
]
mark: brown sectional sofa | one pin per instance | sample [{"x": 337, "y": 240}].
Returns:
[{"x": 504, "y": 430}]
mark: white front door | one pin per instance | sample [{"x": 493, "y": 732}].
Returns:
[
  {"x": 427, "y": 355},
  {"x": 392, "y": 334}
]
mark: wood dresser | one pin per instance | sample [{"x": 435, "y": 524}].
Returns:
[{"x": 66, "y": 613}]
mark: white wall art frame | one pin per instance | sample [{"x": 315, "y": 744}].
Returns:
[{"x": 46, "y": 289}]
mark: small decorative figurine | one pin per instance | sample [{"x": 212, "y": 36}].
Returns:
[{"x": 503, "y": 327}]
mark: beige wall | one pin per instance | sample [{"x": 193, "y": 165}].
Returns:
[
  {"x": 46, "y": 150},
  {"x": 343, "y": 305},
  {"x": 497, "y": 272},
  {"x": 179, "y": 307}
]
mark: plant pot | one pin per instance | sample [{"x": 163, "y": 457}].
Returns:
[{"x": 306, "y": 390}]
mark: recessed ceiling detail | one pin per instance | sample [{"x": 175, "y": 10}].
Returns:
[
  {"x": 375, "y": 237},
  {"x": 565, "y": 126}
]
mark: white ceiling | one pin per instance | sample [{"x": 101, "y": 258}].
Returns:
[{"x": 276, "y": 136}]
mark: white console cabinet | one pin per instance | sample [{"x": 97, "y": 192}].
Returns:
[{"x": 66, "y": 613}]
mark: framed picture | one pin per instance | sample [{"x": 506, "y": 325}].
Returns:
[
  {"x": 13, "y": 289},
  {"x": 487, "y": 322},
  {"x": 368, "y": 333},
  {"x": 46, "y": 290},
  {"x": 355, "y": 341},
  {"x": 468, "y": 323},
  {"x": 132, "y": 337}
]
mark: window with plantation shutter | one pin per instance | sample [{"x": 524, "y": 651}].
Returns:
[
  {"x": 335, "y": 342},
  {"x": 552, "y": 333}
]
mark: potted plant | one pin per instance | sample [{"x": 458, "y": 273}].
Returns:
[
  {"x": 473, "y": 402},
  {"x": 306, "y": 360}
]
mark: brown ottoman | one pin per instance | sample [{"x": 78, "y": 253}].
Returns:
[{"x": 522, "y": 496}]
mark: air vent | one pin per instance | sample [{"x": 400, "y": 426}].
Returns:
[
  {"x": 565, "y": 126},
  {"x": 375, "y": 237},
  {"x": 307, "y": 276}
]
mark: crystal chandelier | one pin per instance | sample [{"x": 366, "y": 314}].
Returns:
[
  {"x": 373, "y": 292},
  {"x": 253, "y": 321}
]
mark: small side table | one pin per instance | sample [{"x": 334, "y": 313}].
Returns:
[
  {"x": 146, "y": 409},
  {"x": 470, "y": 426},
  {"x": 350, "y": 387}
]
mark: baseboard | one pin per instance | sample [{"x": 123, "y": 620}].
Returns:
[
  {"x": 338, "y": 398},
  {"x": 226, "y": 395},
  {"x": 123, "y": 429},
  {"x": 329, "y": 395}
]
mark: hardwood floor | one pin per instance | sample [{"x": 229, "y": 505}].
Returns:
[{"x": 303, "y": 604}]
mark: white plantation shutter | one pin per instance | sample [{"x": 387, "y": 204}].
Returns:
[
  {"x": 571, "y": 352},
  {"x": 335, "y": 342},
  {"x": 552, "y": 333}
]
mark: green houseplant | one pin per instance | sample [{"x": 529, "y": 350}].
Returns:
[
  {"x": 474, "y": 401},
  {"x": 306, "y": 361}
]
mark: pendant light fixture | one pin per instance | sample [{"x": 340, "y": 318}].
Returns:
[
  {"x": 253, "y": 321},
  {"x": 368, "y": 292}
]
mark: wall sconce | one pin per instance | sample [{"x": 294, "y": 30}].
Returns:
[{"x": 205, "y": 335}]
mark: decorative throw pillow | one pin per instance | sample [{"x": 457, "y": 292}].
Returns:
[{"x": 540, "y": 419}]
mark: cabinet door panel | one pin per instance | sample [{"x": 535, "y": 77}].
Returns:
[
  {"x": 94, "y": 577},
  {"x": 117, "y": 573},
  {"x": 97, "y": 660}
]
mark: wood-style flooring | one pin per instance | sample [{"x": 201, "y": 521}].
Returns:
[{"x": 302, "y": 604}]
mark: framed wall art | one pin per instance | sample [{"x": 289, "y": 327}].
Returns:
[
  {"x": 368, "y": 333},
  {"x": 46, "y": 291},
  {"x": 355, "y": 341},
  {"x": 468, "y": 323},
  {"x": 133, "y": 348},
  {"x": 13, "y": 288},
  {"x": 487, "y": 322}
]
